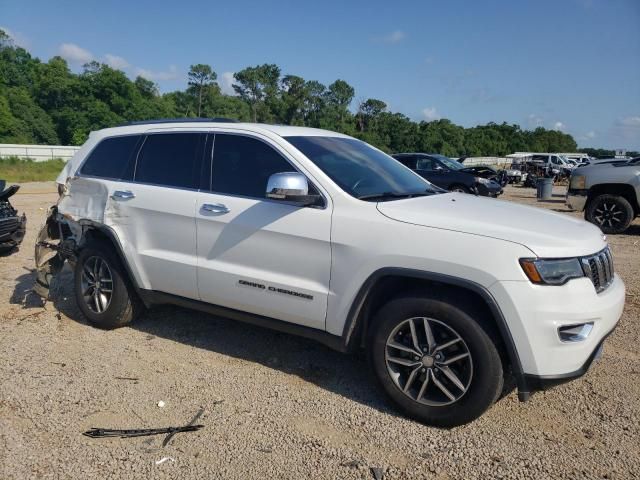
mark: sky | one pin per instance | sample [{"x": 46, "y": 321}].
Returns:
[{"x": 570, "y": 65}]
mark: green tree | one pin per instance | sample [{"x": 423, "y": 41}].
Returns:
[
  {"x": 201, "y": 78},
  {"x": 258, "y": 86}
]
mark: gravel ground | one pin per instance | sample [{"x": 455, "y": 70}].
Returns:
[{"x": 277, "y": 406}]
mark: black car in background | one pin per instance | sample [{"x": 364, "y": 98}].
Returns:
[
  {"x": 448, "y": 174},
  {"x": 12, "y": 225}
]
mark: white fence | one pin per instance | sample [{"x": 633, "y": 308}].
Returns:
[
  {"x": 37, "y": 153},
  {"x": 500, "y": 162}
]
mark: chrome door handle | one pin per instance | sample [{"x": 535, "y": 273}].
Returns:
[
  {"x": 215, "y": 208},
  {"x": 123, "y": 194}
]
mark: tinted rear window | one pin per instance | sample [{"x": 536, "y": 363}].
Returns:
[
  {"x": 111, "y": 157},
  {"x": 171, "y": 159}
]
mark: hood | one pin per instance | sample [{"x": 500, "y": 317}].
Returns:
[{"x": 547, "y": 234}]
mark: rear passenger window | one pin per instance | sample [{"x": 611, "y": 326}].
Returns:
[
  {"x": 242, "y": 165},
  {"x": 408, "y": 161},
  {"x": 425, "y": 164},
  {"x": 111, "y": 157},
  {"x": 171, "y": 159}
]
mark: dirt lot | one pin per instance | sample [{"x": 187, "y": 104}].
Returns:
[{"x": 277, "y": 406}]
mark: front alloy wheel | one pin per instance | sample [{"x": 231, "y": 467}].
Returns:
[
  {"x": 429, "y": 361},
  {"x": 434, "y": 353}
]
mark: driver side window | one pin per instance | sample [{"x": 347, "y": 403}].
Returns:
[{"x": 242, "y": 165}]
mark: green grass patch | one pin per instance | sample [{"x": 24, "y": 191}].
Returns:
[{"x": 17, "y": 170}]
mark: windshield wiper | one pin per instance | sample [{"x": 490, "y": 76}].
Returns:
[{"x": 394, "y": 195}]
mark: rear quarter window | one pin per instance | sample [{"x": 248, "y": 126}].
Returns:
[{"x": 111, "y": 157}]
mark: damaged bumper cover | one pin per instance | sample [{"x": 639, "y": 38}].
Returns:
[{"x": 55, "y": 244}]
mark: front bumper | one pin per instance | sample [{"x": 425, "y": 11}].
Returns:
[
  {"x": 489, "y": 190},
  {"x": 12, "y": 231},
  {"x": 543, "y": 382},
  {"x": 534, "y": 314},
  {"x": 576, "y": 199}
]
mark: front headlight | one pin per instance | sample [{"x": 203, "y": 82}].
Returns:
[
  {"x": 483, "y": 181},
  {"x": 551, "y": 272},
  {"x": 578, "y": 182}
]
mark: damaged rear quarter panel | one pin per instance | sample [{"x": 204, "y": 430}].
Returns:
[{"x": 86, "y": 199}]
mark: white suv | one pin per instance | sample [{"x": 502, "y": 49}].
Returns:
[{"x": 319, "y": 234}]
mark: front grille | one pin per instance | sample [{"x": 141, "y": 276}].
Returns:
[
  {"x": 599, "y": 268},
  {"x": 8, "y": 225}
]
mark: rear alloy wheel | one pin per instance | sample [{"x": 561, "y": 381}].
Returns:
[
  {"x": 611, "y": 213},
  {"x": 97, "y": 284},
  {"x": 104, "y": 293},
  {"x": 433, "y": 358}
]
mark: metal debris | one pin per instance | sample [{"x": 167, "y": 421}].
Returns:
[
  {"x": 377, "y": 472},
  {"x": 142, "y": 432}
]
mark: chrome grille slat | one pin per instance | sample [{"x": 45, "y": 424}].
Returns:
[{"x": 599, "y": 269}]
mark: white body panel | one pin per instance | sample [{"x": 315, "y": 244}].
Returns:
[
  {"x": 320, "y": 258},
  {"x": 158, "y": 226},
  {"x": 250, "y": 257}
]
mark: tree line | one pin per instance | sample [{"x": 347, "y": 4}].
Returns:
[{"x": 46, "y": 103}]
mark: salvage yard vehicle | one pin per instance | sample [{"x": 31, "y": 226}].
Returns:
[
  {"x": 449, "y": 174},
  {"x": 608, "y": 193},
  {"x": 485, "y": 171},
  {"x": 319, "y": 234},
  {"x": 12, "y": 224}
]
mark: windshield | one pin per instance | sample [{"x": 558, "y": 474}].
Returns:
[
  {"x": 449, "y": 163},
  {"x": 359, "y": 169}
]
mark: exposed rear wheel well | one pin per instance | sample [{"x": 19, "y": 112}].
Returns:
[{"x": 97, "y": 234}]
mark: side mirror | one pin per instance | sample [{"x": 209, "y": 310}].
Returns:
[{"x": 291, "y": 186}]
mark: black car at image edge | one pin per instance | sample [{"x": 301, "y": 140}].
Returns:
[{"x": 448, "y": 174}]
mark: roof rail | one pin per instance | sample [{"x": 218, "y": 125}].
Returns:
[{"x": 180, "y": 120}]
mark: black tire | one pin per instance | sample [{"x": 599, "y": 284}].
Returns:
[
  {"x": 458, "y": 188},
  {"x": 485, "y": 382},
  {"x": 612, "y": 213},
  {"x": 123, "y": 305}
]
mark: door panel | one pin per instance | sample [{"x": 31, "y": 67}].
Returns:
[
  {"x": 158, "y": 225},
  {"x": 259, "y": 255},
  {"x": 265, "y": 257},
  {"x": 155, "y": 213}
]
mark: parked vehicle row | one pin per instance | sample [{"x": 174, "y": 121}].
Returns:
[{"x": 319, "y": 234}]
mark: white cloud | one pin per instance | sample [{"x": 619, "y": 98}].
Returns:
[
  {"x": 394, "y": 37},
  {"x": 430, "y": 114},
  {"x": 226, "y": 82},
  {"x": 590, "y": 134},
  {"x": 18, "y": 38},
  {"x": 559, "y": 126},
  {"x": 114, "y": 61},
  {"x": 75, "y": 54},
  {"x": 625, "y": 132},
  {"x": 629, "y": 122},
  {"x": 170, "y": 74},
  {"x": 534, "y": 121}
]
